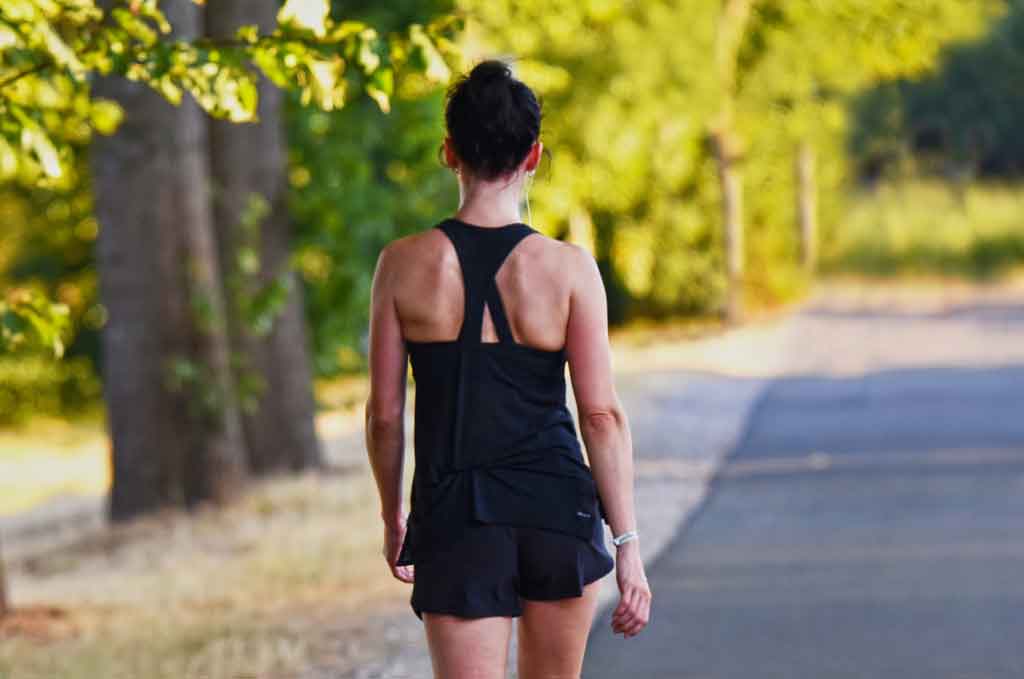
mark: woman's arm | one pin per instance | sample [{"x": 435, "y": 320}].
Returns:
[
  {"x": 605, "y": 433},
  {"x": 385, "y": 408}
]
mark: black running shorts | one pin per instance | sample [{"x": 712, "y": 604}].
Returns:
[{"x": 490, "y": 568}]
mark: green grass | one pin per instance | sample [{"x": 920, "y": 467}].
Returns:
[{"x": 923, "y": 228}]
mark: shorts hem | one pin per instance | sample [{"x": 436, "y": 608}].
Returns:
[
  {"x": 468, "y": 614},
  {"x": 578, "y": 592}
]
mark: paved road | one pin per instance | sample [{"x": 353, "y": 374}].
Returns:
[{"x": 870, "y": 522}]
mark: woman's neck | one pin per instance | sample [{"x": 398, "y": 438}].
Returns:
[{"x": 493, "y": 203}]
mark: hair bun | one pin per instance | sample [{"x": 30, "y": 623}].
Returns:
[
  {"x": 489, "y": 71},
  {"x": 493, "y": 119}
]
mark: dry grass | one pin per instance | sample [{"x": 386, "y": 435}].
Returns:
[{"x": 208, "y": 595}]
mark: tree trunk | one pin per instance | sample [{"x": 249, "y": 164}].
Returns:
[
  {"x": 160, "y": 285},
  {"x": 5, "y": 605},
  {"x": 731, "y": 187},
  {"x": 250, "y": 160},
  {"x": 138, "y": 251},
  {"x": 807, "y": 206},
  {"x": 732, "y": 26}
]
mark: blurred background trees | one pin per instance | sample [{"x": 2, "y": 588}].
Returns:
[{"x": 681, "y": 129}]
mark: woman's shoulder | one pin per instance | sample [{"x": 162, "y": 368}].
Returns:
[
  {"x": 404, "y": 249},
  {"x": 560, "y": 254},
  {"x": 570, "y": 260},
  {"x": 431, "y": 246}
]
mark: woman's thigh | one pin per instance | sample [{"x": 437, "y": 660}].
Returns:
[
  {"x": 468, "y": 648},
  {"x": 553, "y": 635}
]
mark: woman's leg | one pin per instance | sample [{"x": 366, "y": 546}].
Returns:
[
  {"x": 468, "y": 648},
  {"x": 553, "y": 635}
]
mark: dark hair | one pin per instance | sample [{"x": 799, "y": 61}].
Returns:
[{"x": 493, "y": 119}]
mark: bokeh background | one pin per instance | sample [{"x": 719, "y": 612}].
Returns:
[{"x": 192, "y": 200}]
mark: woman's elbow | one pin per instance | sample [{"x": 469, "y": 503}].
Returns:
[
  {"x": 603, "y": 421},
  {"x": 382, "y": 417}
]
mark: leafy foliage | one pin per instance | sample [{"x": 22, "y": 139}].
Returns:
[
  {"x": 33, "y": 332},
  {"x": 28, "y": 321},
  {"x": 359, "y": 179},
  {"x": 629, "y": 103},
  {"x": 958, "y": 120},
  {"x": 50, "y": 50}
]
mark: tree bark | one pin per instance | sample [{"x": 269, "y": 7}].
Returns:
[
  {"x": 807, "y": 206},
  {"x": 138, "y": 251},
  {"x": 732, "y": 26},
  {"x": 247, "y": 160},
  {"x": 160, "y": 285},
  {"x": 731, "y": 187},
  {"x": 5, "y": 604}
]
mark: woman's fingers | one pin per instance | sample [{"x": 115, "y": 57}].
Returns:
[
  {"x": 403, "y": 573},
  {"x": 634, "y": 624},
  {"x": 643, "y": 612},
  {"x": 624, "y": 620},
  {"x": 621, "y": 611},
  {"x": 633, "y": 612}
]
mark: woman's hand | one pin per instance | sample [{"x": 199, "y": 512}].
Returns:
[
  {"x": 634, "y": 609},
  {"x": 394, "y": 536}
]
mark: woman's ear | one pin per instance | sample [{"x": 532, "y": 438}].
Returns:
[
  {"x": 533, "y": 157},
  {"x": 450, "y": 157}
]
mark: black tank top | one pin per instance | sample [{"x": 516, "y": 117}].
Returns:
[{"x": 494, "y": 441}]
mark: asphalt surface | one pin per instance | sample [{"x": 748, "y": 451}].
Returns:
[{"x": 868, "y": 524}]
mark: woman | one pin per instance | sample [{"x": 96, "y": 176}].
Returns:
[{"x": 506, "y": 518}]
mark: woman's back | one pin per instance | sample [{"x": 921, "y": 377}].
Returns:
[
  {"x": 494, "y": 440},
  {"x": 533, "y": 281}
]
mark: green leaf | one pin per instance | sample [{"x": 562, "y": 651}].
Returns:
[
  {"x": 367, "y": 56},
  {"x": 233, "y": 95},
  {"x": 150, "y": 10},
  {"x": 59, "y": 51},
  {"x": 167, "y": 87},
  {"x": 427, "y": 55},
  {"x": 134, "y": 26},
  {"x": 8, "y": 160},
  {"x": 28, "y": 320},
  {"x": 345, "y": 29},
  {"x": 34, "y": 140},
  {"x": 309, "y": 15},
  {"x": 106, "y": 115},
  {"x": 269, "y": 61},
  {"x": 9, "y": 38},
  {"x": 381, "y": 87},
  {"x": 249, "y": 33},
  {"x": 266, "y": 304}
]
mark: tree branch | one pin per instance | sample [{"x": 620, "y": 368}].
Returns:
[{"x": 13, "y": 78}]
